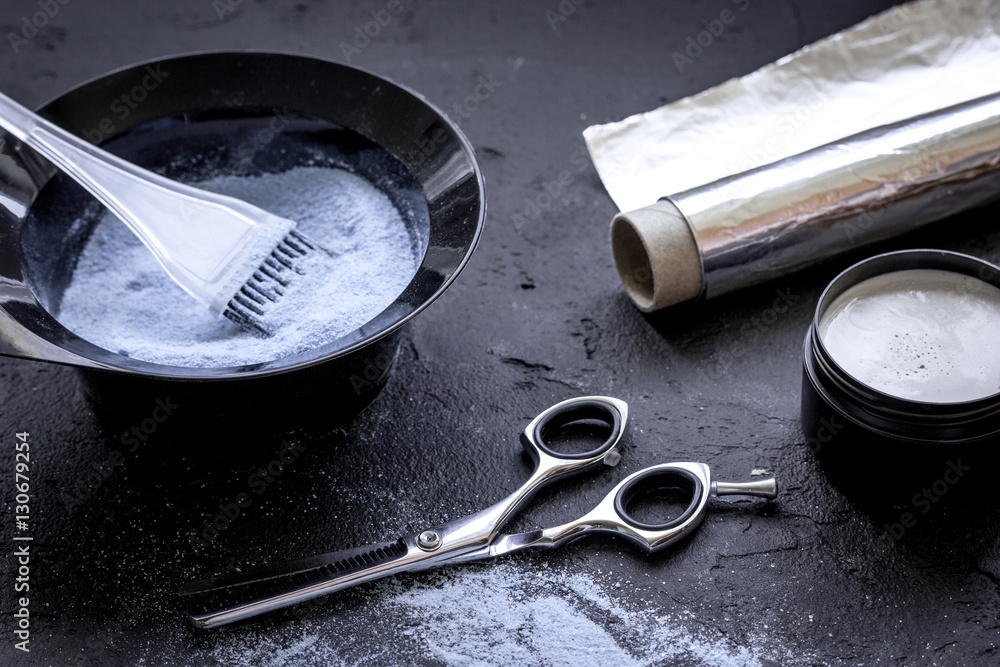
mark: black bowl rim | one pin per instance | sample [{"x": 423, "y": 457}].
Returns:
[{"x": 134, "y": 366}]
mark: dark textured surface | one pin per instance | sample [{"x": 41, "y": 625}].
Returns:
[{"x": 538, "y": 316}]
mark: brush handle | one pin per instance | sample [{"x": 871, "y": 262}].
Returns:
[{"x": 197, "y": 236}]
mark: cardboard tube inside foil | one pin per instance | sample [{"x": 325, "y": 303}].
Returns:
[{"x": 762, "y": 224}]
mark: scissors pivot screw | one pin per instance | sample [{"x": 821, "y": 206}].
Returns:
[{"x": 429, "y": 540}]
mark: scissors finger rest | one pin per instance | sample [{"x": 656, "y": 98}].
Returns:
[
  {"x": 662, "y": 484},
  {"x": 229, "y": 598}
]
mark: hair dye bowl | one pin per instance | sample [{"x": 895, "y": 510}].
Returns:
[{"x": 344, "y": 151}]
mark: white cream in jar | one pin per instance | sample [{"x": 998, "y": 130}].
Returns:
[{"x": 919, "y": 334}]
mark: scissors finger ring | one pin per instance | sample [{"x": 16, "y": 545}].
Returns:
[{"x": 227, "y": 598}]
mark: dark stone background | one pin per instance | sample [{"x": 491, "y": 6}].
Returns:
[{"x": 538, "y": 316}]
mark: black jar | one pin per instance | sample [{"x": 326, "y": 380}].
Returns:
[{"x": 866, "y": 437}]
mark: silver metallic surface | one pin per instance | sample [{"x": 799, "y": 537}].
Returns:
[
  {"x": 722, "y": 148},
  {"x": 476, "y": 536},
  {"x": 459, "y": 539},
  {"x": 607, "y": 518},
  {"x": 762, "y": 488},
  {"x": 429, "y": 540},
  {"x": 771, "y": 221},
  {"x": 914, "y": 58}
]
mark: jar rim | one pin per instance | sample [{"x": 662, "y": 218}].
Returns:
[{"x": 876, "y": 409}]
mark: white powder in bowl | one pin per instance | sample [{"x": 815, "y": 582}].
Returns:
[{"x": 121, "y": 299}]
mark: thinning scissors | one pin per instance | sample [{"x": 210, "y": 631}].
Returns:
[{"x": 236, "y": 596}]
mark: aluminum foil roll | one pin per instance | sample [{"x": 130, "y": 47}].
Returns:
[
  {"x": 779, "y": 218},
  {"x": 822, "y": 151}
]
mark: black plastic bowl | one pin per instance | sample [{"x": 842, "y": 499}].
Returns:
[{"x": 126, "y": 109}]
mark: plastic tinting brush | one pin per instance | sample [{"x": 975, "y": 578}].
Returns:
[{"x": 235, "y": 258}]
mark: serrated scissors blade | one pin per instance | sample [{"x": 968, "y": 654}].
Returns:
[{"x": 234, "y": 596}]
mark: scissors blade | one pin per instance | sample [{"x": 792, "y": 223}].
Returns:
[
  {"x": 235, "y": 596},
  {"x": 502, "y": 545}
]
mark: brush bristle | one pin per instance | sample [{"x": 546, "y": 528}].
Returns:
[{"x": 249, "y": 307}]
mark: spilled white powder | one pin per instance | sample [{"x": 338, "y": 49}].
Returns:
[
  {"x": 503, "y": 613},
  {"x": 920, "y": 334},
  {"x": 122, "y": 300}
]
